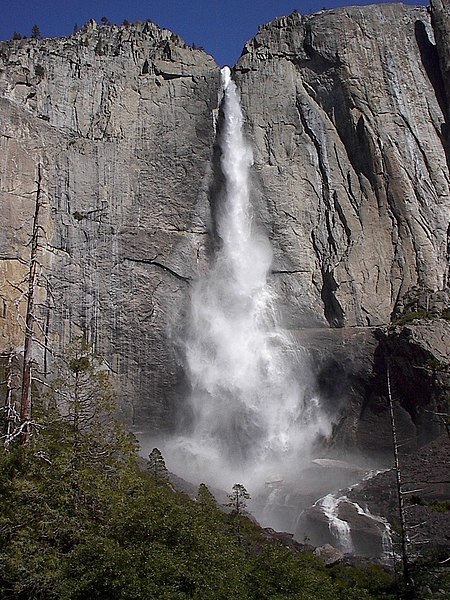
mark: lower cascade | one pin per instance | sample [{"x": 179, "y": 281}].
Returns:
[
  {"x": 249, "y": 419},
  {"x": 343, "y": 523},
  {"x": 339, "y": 528}
]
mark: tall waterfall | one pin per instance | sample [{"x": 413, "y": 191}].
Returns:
[{"x": 249, "y": 420}]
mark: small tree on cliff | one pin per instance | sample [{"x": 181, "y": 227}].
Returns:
[
  {"x": 238, "y": 500},
  {"x": 36, "y": 32},
  {"x": 205, "y": 499},
  {"x": 157, "y": 466},
  {"x": 238, "y": 503}
]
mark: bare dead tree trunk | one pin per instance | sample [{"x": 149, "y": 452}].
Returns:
[
  {"x": 10, "y": 410},
  {"x": 409, "y": 584},
  {"x": 26, "y": 401}
]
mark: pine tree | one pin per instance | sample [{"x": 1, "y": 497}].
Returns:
[
  {"x": 83, "y": 395},
  {"x": 157, "y": 467},
  {"x": 238, "y": 503},
  {"x": 238, "y": 500},
  {"x": 205, "y": 498},
  {"x": 36, "y": 32}
]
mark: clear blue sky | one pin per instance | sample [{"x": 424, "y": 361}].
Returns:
[{"x": 220, "y": 26}]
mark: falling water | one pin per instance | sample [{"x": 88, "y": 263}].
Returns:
[
  {"x": 373, "y": 530},
  {"x": 339, "y": 528},
  {"x": 248, "y": 420}
]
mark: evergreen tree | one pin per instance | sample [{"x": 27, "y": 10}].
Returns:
[
  {"x": 238, "y": 503},
  {"x": 157, "y": 467},
  {"x": 238, "y": 500},
  {"x": 205, "y": 498},
  {"x": 83, "y": 396},
  {"x": 36, "y": 32}
]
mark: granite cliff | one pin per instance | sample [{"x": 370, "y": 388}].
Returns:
[
  {"x": 121, "y": 122},
  {"x": 347, "y": 112}
]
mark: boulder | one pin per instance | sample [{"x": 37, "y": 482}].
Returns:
[{"x": 329, "y": 554}]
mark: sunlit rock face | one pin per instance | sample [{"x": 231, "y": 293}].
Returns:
[
  {"x": 121, "y": 122},
  {"x": 441, "y": 25},
  {"x": 346, "y": 114}
]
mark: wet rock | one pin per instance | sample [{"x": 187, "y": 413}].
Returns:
[
  {"x": 426, "y": 491},
  {"x": 350, "y": 376},
  {"x": 329, "y": 554},
  {"x": 367, "y": 532}
]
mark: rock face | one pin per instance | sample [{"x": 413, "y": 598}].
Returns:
[
  {"x": 121, "y": 122},
  {"x": 346, "y": 113},
  {"x": 441, "y": 24}
]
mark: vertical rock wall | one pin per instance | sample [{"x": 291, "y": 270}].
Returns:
[
  {"x": 121, "y": 122},
  {"x": 345, "y": 109}
]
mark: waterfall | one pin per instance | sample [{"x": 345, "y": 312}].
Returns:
[
  {"x": 339, "y": 528},
  {"x": 386, "y": 536},
  {"x": 248, "y": 416},
  {"x": 361, "y": 532}
]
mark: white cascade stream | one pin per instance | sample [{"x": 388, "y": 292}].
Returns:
[{"x": 341, "y": 529}]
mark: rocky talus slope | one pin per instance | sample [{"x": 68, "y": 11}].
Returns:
[{"x": 347, "y": 113}]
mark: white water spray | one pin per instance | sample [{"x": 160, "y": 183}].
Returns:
[{"x": 249, "y": 420}]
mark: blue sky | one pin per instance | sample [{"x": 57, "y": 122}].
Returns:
[{"x": 220, "y": 26}]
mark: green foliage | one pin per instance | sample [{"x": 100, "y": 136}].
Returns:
[
  {"x": 114, "y": 533},
  {"x": 437, "y": 365},
  {"x": 36, "y": 32},
  {"x": 443, "y": 506},
  {"x": 157, "y": 467},
  {"x": 205, "y": 499},
  {"x": 437, "y": 505},
  {"x": 373, "y": 579},
  {"x": 279, "y": 573},
  {"x": 79, "y": 520},
  {"x": 238, "y": 499},
  {"x": 16, "y": 36},
  {"x": 408, "y": 317}
]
